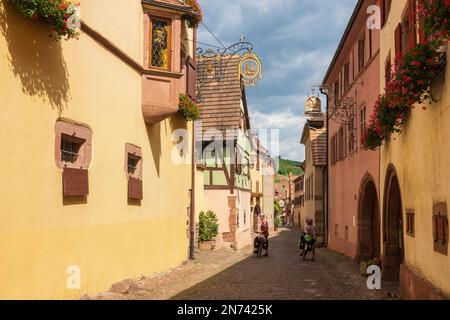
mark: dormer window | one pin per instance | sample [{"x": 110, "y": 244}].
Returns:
[{"x": 160, "y": 35}]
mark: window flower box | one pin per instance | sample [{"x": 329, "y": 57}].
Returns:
[{"x": 62, "y": 15}]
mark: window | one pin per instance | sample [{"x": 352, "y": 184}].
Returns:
[
  {"x": 347, "y": 233},
  {"x": 362, "y": 120},
  {"x": 388, "y": 70},
  {"x": 341, "y": 144},
  {"x": 370, "y": 43},
  {"x": 73, "y": 156},
  {"x": 336, "y": 94},
  {"x": 70, "y": 148},
  {"x": 346, "y": 76},
  {"x": 336, "y": 230},
  {"x": 133, "y": 165},
  {"x": 160, "y": 43},
  {"x": 440, "y": 228},
  {"x": 361, "y": 53},
  {"x": 239, "y": 160},
  {"x": 408, "y": 28},
  {"x": 406, "y": 33},
  {"x": 191, "y": 78},
  {"x": 398, "y": 40},
  {"x": 351, "y": 135},
  {"x": 245, "y": 217},
  {"x": 410, "y": 223},
  {"x": 385, "y": 10}
]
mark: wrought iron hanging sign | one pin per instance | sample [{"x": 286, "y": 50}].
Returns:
[
  {"x": 250, "y": 69},
  {"x": 213, "y": 63}
]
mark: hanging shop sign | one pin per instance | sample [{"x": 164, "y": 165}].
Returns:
[{"x": 250, "y": 69}]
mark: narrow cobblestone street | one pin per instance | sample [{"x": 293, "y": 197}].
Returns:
[{"x": 225, "y": 274}]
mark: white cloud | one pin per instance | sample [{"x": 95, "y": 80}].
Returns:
[
  {"x": 290, "y": 125},
  {"x": 295, "y": 39}
]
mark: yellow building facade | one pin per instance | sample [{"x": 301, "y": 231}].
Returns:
[
  {"x": 48, "y": 241},
  {"x": 415, "y": 182}
]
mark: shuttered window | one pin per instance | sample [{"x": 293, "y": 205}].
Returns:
[
  {"x": 388, "y": 69},
  {"x": 410, "y": 222},
  {"x": 362, "y": 53},
  {"x": 412, "y": 14},
  {"x": 191, "y": 78},
  {"x": 346, "y": 76},
  {"x": 398, "y": 40},
  {"x": 362, "y": 120},
  {"x": 440, "y": 228},
  {"x": 385, "y": 10}
]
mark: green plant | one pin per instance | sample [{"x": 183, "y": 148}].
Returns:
[
  {"x": 409, "y": 85},
  {"x": 194, "y": 20},
  {"x": 277, "y": 221},
  {"x": 188, "y": 108},
  {"x": 208, "y": 227},
  {"x": 277, "y": 208},
  {"x": 434, "y": 16},
  {"x": 60, "y": 14}
]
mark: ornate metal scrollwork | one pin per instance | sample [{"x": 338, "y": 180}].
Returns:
[
  {"x": 340, "y": 111},
  {"x": 213, "y": 63}
]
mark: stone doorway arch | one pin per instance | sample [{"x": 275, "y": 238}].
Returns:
[
  {"x": 394, "y": 251},
  {"x": 369, "y": 226}
]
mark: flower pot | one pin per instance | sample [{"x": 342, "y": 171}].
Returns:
[{"x": 207, "y": 245}]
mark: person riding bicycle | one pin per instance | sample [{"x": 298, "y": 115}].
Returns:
[
  {"x": 264, "y": 231},
  {"x": 308, "y": 239}
]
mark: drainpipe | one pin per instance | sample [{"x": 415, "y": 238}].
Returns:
[
  {"x": 326, "y": 174},
  {"x": 193, "y": 170}
]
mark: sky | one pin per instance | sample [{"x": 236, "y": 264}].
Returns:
[{"x": 295, "y": 39}]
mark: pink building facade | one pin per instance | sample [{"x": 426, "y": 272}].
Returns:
[{"x": 352, "y": 86}]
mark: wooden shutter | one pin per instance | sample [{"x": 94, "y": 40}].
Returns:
[
  {"x": 191, "y": 78},
  {"x": 398, "y": 40},
  {"x": 412, "y": 24},
  {"x": 440, "y": 228},
  {"x": 383, "y": 12},
  {"x": 75, "y": 182},
  {"x": 388, "y": 70},
  {"x": 135, "y": 189}
]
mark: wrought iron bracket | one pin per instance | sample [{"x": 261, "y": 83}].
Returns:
[
  {"x": 340, "y": 111},
  {"x": 213, "y": 63}
]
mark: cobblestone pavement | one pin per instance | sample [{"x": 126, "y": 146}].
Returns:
[{"x": 229, "y": 275}]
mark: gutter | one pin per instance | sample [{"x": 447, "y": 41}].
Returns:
[{"x": 327, "y": 175}]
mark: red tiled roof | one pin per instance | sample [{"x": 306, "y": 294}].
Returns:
[
  {"x": 319, "y": 146},
  {"x": 221, "y": 100},
  {"x": 176, "y": 4}
]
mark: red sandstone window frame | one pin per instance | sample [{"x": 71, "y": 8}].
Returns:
[
  {"x": 79, "y": 133},
  {"x": 134, "y": 177}
]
